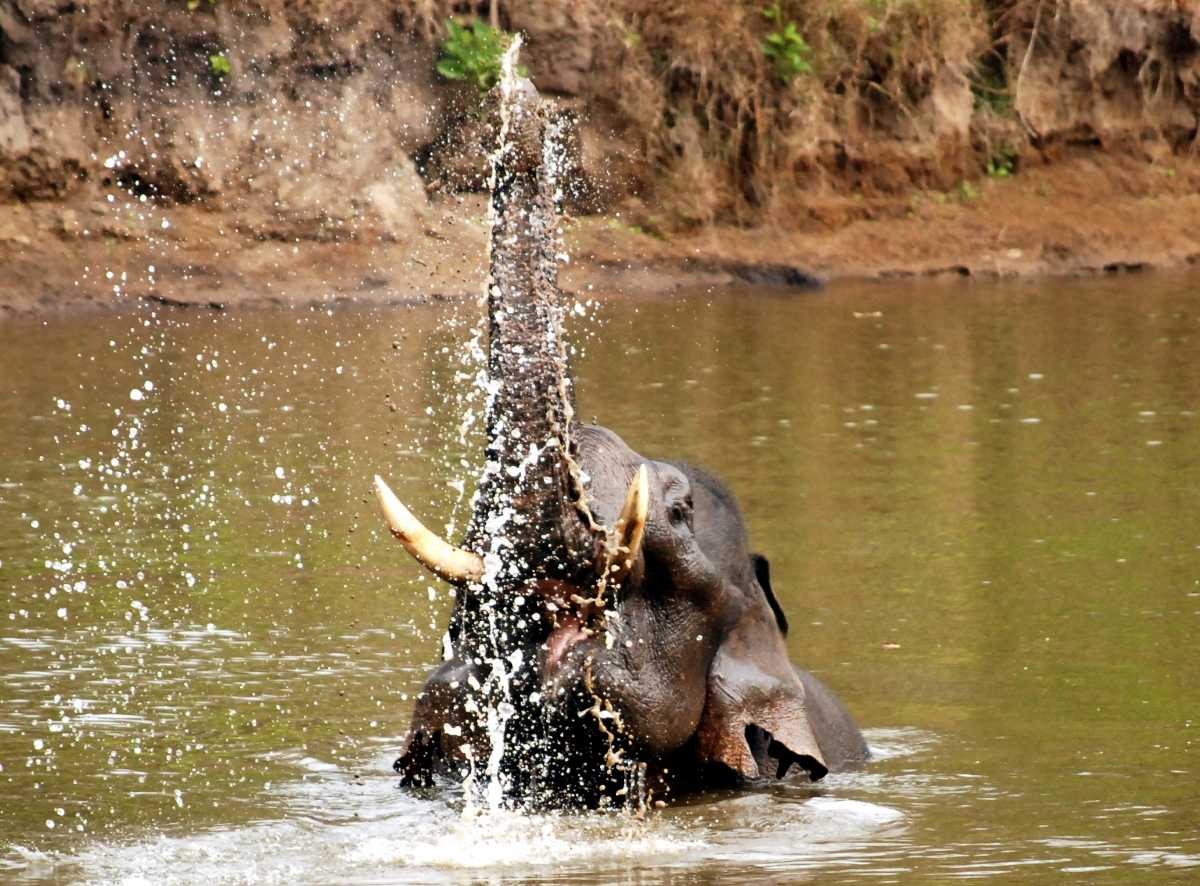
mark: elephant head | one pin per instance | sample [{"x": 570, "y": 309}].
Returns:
[
  {"x": 612, "y": 630},
  {"x": 686, "y": 652}
]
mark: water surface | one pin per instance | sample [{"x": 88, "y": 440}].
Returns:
[{"x": 979, "y": 502}]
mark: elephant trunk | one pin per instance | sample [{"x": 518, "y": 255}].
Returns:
[{"x": 530, "y": 513}]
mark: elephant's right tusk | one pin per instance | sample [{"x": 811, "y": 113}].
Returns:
[
  {"x": 438, "y": 556},
  {"x": 631, "y": 527}
]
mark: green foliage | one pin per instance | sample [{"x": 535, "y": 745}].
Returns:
[
  {"x": 219, "y": 64},
  {"x": 473, "y": 53},
  {"x": 786, "y": 47},
  {"x": 967, "y": 191},
  {"x": 1002, "y": 164},
  {"x": 193, "y": 5}
]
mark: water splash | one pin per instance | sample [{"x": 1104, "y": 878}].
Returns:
[
  {"x": 491, "y": 643},
  {"x": 334, "y": 830}
]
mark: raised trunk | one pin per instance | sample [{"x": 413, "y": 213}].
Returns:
[
  {"x": 530, "y": 520},
  {"x": 532, "y": 539},
  {"x": 529, "y": 511}
]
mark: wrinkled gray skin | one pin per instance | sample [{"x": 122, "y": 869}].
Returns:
[
  {"x": 677, "y": 678},
  {"x": 696, "y": 668}
]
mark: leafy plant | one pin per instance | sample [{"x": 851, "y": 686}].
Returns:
[
  {"x": 219, "y": 64},
  {"x": 1002, "y": 164},
  {"x": 193, "y": 5},
  {"x": 786, "y": 46},
  {"x": 473, "y": 53},
  {"x": 967, "y": 191}
]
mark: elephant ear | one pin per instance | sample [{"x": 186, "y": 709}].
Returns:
[
  {"x": 756, "y": 719},
  {"x": 762, "y": 572}
]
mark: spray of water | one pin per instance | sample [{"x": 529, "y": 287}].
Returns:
[
  {"x": 501, "y": 666},
  {"x": 525, "y": 250}
]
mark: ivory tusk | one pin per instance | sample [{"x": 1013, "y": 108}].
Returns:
[
  {"x": 631, "y": 526},
  {"x": 441, "y": 558}
]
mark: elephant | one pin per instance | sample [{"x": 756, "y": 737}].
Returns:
[
  {"x": 691, "y": 666},
  {"x": 614, "y": 639}
]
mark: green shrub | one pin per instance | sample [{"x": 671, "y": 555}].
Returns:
[
  {"x": 786, "y": 47},
  {"x": 219, "y": 64},
  {"x": 473, "y": 53},
  {"x": 1002, "y": 164}
]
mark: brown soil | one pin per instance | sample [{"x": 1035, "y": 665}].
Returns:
[{"x": 1088, "y": 213}]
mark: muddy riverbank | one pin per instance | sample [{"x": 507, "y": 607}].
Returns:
[
  {"x": 223, "y": 155},
  {"x": 1085, "y": 214}
]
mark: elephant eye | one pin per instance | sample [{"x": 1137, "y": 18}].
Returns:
[{"x": 681, "y": 512}]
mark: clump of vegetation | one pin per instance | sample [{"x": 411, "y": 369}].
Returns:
[
  {"x": 219, "y": 64},
  {"x": 473, "y": 54},
  {"x": 786, "y": 47},
  {"x": 1002, "y": 164}
]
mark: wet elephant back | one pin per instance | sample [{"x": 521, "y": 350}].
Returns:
[{"x": 838, "y": 736}]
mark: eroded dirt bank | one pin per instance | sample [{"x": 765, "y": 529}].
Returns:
[{"x": 307, "y": 151}]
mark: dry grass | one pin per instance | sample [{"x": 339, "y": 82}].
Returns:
[
  {"x": 730, "y": 138},
  {"x": 897, "y": 95},
  {"x": 718, "y": 134}
]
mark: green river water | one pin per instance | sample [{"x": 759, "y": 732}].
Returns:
[{"x": 980, "y": 502}]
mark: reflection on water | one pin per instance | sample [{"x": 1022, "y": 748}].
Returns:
[{"x": 980, "y": 505}]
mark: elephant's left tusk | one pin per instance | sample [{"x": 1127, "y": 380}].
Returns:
[
  {"x": 631, "y": 527},
  {"x": 434, "y": 553}
]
